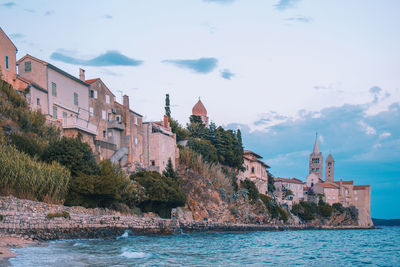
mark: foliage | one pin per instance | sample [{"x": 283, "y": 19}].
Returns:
[
  {"x": 181, "y": 133},
  {"x": 1, "y": 217},
  {"x": 162, "y": 193},
  {"x": 252, "y": 188},
  {"x": 25, "y": 177},
  {"x": 204, "y": 148},
  {"x": 305, "y": 210},
  {"x": 28, "y": 144},
  {"x": 64, "y": 214},
  {"x": 338, "y": 207},
  {"x": 353, "y": 211},
  {"x": 196, "y": 127},
  {"x": 109, "y": 186},
  {"x": 167, "y": 106},
  {"x": 170, "y": 171},
  {"x": 76, "y": 155},
  {"x": 324, "y": 209},
  {"x": 271, "y": 181},
  {"x": 288, "y": 193},
  {"x": 273, "y": 208},
  {"x": 218, "y": 175}
]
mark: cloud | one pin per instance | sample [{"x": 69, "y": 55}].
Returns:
[
  {"x": 17, "y": 36},
  {"x": 201, "y": 65},
  {"x": 375, "y": 91},
  {"x": 49, "y": 12},
  {"x": 367, "y": 129},
  {"x": 227, "y": 74},
  {"x": 110, "y": 58},
  {"x": 300, "y": 19},
  {"x": 107, "y": 16},
  {"x": 30, "y": 10},
  {"x": 9, "y": 4},
  {"x": 219, "y": 1},
  {"x": 282, "y": 5},
  {"x": 385, "y": 135}
]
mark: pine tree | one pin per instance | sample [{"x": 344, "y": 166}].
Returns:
[
  {"x": 167, "y": 106},
  {"x": 170, "y": 171}
]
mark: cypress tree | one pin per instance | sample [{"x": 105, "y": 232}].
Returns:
[{"x": 167, "y": 106}]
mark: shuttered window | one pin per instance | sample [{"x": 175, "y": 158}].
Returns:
[
  {"x": 75, "y": 99},
  {"x": 53, "y": 89}
]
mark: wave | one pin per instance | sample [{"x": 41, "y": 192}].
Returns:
[
  {"x": 134, "y": 255},
  {"x": 124, "y": 235}
]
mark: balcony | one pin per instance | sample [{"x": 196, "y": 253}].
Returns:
[
  {"x": 116, "y": 125},
  {"x": 78, "y": 123}
]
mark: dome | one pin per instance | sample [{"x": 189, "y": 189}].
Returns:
[{"x": 199, "y": 109}]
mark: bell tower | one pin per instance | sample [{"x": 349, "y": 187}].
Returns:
[
  {"x": 329, "y": 169},
  {"x": 316, "y": 160}
]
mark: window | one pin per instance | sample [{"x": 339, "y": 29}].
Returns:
[
  {"x": 107, "y": 99},
  {"x": 65, "y": 114},
  {"x": 136, "y": 121},
  {"x": 136, "y": 141},
  {"x": 54, "y": 112},
  {"x": 27, "y": 66},
  {"x": 91, "y": 111},
  {"x": 75, "y": 99},
  {"x": 104, "y": 134},
  {"x": 91, "y": 93},
  {"x": 109, "y": 116},
  {"x": 356, "y": 198},
  {"x": 118, "y": 118},
  {"x": 103, "y": 114},
  {"x": 38, "y": 101},
  {"x": 252, "y": 169},
  {"x": 317, "y": 170},
  {"x": 329, "y": 163},
  {"x": 6, "y": 62},
  {"x": 53, "y": 89},
  {"x": 355, "y": 192},
  {"x": 153, "y": 163}
]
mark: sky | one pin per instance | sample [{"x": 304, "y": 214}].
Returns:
[{"x": 280, "y": 70}]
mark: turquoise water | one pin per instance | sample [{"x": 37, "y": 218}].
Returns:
[{"x": 379, "y": 247}]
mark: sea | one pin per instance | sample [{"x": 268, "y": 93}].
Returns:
[{"x": 377, "y": 247}]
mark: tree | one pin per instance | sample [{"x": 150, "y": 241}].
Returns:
[
  {"x": 74, "y": 154},
  {"x": 252, "y": 188},
  {"x": 176, "y": 128},
  {"x": 167, "y": 106},
  {"x": 163, "y": 193},
  {"x": 170, "y": 171},
  {"x": 204, "y": 148},
  {"x": 196, "y": 127},
  {"x": 107, "y": 187},
  {"x": 271, "y": 181}
]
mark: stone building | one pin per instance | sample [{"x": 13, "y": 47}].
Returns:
[
  {"x": 160, "y": 145},
  {"x": 63, "y": 98},
  {"x": 255, "y": 170},
  {"x": 102, "y": 113},
  {"x": 329, "y": 191},
  {"x": 329, "y": 169},
  {"x": 199, "y": 110},
  {"x": 283, "y": 185}
]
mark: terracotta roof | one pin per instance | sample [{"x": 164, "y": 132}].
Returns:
[
  {"x": 92, "y": 80},
  {"x": 29, "y": 82},
  {"x": 361, "y": 187},
  {"x": 326, "y": 185},
  {"x": 199, "y": 109},
  {"x": 292, "y": 180},
  {"x": 344, "y": 182},
  {"x": 329, "y": 158},
  {"x": 252, "y": 153}
]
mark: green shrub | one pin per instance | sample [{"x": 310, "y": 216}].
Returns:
[
  {"x": 252, "y": 188},
  {"x": 27, "y": 144},
  {"x": 324, "y": 209},
  {"x": 276, "y": 211},
  {"x": 74, "y": 154},
  {"x": 1, "y": 217},
  {"x": 24, "y": 177},
  {"x": 110, "y": 186},
  {"x": 64, "y": 214},
  {"x": 170, "y": 171},
  {"x": 338, "y": 207},
  {"x": 162, "y": 193},
  {"x": 204, "y": 148},
  {"x": 305, "y": 210}
]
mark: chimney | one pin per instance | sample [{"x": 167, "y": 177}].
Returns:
[
  {"x": 125, "y": 101},
  {"x": 166, "y": 122},
  {"x": 81, "y": 74}
]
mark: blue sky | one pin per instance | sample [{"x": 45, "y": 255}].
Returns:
[{"x": 280, "y": 70}]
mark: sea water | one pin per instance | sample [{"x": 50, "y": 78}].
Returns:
[{"x": 378, "y": 247}]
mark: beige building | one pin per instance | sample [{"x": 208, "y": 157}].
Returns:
[
  {"x": 160, "y": 145},
  {"x": 282, "y": 187},
  {"x": 329, "y": 191},
  {"x": 63, "y": 98},
  {"x": 255, "y": 170},
  {"x": 8, "y": 53}
]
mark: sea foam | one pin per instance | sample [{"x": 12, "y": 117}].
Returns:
[{"x": 134, "y": 255}]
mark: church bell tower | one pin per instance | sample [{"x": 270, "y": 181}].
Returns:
[{"x": 316, "y": 160}]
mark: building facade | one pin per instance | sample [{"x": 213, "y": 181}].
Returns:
[
  {"x": 199, "y": 110},
  {"x": 8, "y": 54},
  {"x": 316, "y": 161},
  {"x": 255, "y": 170},
  {"x": 329, "y": 169}
]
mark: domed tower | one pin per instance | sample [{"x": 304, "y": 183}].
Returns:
[
  {"x": 329, "y": 169},
  {"x": 201, "y": 111},
  {"x": 316, "y": 160}
]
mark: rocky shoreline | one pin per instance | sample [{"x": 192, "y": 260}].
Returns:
[{"x": 30, "y": 220}]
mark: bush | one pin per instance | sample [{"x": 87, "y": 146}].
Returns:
[
  {"x": 325, "y": 210},
  {"x": 162, "y": 193},
  {"x": 338, "y": 207},
  {"x": 1, "y": 217},
  {"x": 24, "y": 177},
  {"x": 273, "y": 208},
  {"x": 27, "y": 144},
  {"x": 305, "y": 210},
  {"x": 110, "y": 186},
  {"x": 74, "y": 154},
  {"x": 252, "y": 188},
  {"x": 63, "y": 214}
]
